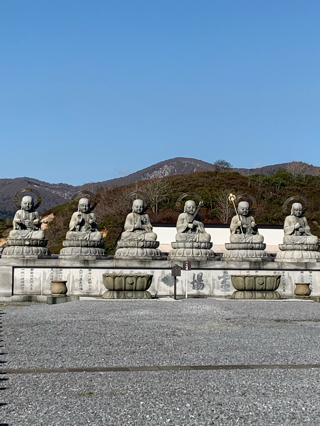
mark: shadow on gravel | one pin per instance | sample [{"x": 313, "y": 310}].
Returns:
[
  {"x": 3, "y": 381},
  {"x": 3, "y": 377}
]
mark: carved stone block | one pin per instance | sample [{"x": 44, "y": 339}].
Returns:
[
  {"x": 85, "y": 252},
  {"x": 127, "y": 286},
  {"x": 256, "y": 282},
  {"x": 298, "y": 253},
  {"x": 141, "y": 244},
  {"x": 141, "y": 253},
  {"x": 83, "y": 243},
  {"x": 256, "y": 295},
  {"x": 192, "y": 245},
  {"x": 26, "y": 251},
  {"x": 192, "y": 253}
]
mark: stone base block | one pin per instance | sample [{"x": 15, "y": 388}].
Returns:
[
  {"x": 83, "y": 243},
  {"x": 56, "y": 299},
  {"x": 82, "y": 253},
  {"x": 140, "y": 244},
  {"x": 245, "y": 246},
  {"x": 297, "y": 255},
  {"x": 192, "y": 245},
  {"x": 138, "y": 253},
  {"x": 197, "y": 254},
  {"x": 246, "y": 255},
  {"x": 255, "y": 295},
  {"x": 299, "y": 247},
  {"x": 30, "y": 252},
  {"x": 26, "y": 242},
  {"x": 126, "y": 295},
  {"x": 38, "y": 298}
]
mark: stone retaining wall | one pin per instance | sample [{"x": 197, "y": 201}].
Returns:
[{"x": 20, "y": 277}]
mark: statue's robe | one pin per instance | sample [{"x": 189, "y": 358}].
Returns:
[
  {"x": 83, "y": 226},
  {"x": 26, "y": 225},
  {"x": 138, "y": 227},
  {"x": 298, "y": 236},
  {"x": 186, "y": 234},
  {"x": 248, "y": 234}
]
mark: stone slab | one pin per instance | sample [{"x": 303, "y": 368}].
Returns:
[{"x": 55, "y": 300}]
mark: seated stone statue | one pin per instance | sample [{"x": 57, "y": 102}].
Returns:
[
  {"x": 189, "y": 227},
  {"x": 26, "y": 222},
  {"x": 137, "y": 226},
  {"x": 243, "y": 228},
  {"x": 296, "y": 229},
  {"x": 83, "y": 224}
]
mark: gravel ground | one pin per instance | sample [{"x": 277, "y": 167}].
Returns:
[{"x": 149, "y": 333}]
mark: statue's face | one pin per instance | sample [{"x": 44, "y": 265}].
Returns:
[
  {"x": 84, "y": 205},
  {"x": 190, "y": 207},
  {"x": 138, "y": 206},
  {"x": 27, "y": 203},
  {"x": 297, "y": 209},
  {"x": 243, "y": 208}
]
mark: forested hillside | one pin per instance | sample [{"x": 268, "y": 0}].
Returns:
[
  {"x": 214, "y": 187},
  {"x": 54, "y": 194}
]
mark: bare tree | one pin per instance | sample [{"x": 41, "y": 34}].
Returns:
[
  {"x": 222, "y": 165},
  {"x": 158, "y": 189},
  {"x": 224, "y": 207},
  {"x": 112, "y": 201},
  {"x": 299, "y": 168}
]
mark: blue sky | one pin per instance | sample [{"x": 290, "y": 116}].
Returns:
[{"x": 96, "y": 89}]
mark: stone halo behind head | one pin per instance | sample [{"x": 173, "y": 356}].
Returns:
[
  {"x": 246, "y": 197},
  {"x": 294, "y": 199},
  {"x": 137, "y": 195},
  {"x": 190, "y": 195},
  {"x": 28, "y": 189},
  {"x": 88, "y": 194}
]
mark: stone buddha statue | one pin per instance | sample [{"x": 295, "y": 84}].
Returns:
[
  {"x": 296, "y": 229},
  {"x": 27, "y": 239},
  {"x": 243, "y": 228},
  {"x": 299, "y": 245},
  {"x": 245, "y": 241},
  {"x": 83, "y": 224},
  {"x": 26, "y": 222},
  {"x": 189, "y": 226},
  {"x": 83, "y": 240},
  {"x": 137, "y": 226},
  {"x": 138, "y": 241},
  {"x": 192, "y": 242}
]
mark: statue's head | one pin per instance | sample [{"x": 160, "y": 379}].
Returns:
[
  {"x": 244, "y": 208},
  {"x": 27, "y": 203},
  {"x": 190, "y": 207},
  {"x": 84, "y": 205},
  {"x": 138, "y": 206},
  {"x": 297, "y": 209}
]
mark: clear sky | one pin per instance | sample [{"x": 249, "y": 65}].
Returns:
[{"x": 96, "y": 89}]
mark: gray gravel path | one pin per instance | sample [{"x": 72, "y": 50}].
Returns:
[{"x": 158, "y": 333}]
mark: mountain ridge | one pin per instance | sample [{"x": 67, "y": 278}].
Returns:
[{"x": 58, "y": 193}]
